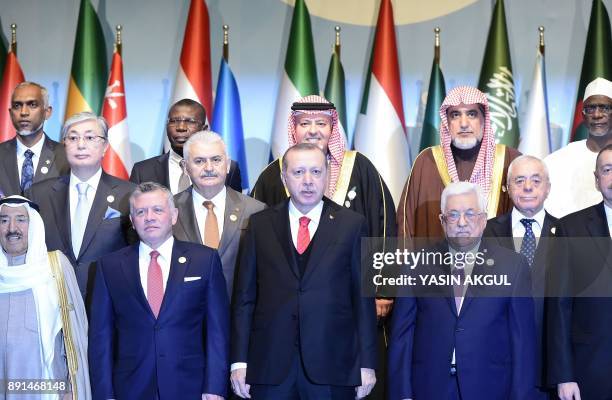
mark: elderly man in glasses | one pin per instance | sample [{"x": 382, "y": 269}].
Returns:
[
  {"x": 455, "y": 336},
  {"x": 185, "y": 118},
  {"x": 571, "y": 167},
  {"x": 85, "y": 212}
]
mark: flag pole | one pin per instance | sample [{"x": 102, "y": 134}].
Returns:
[
  {"x": 437, "y": 44},
  {"x": 337, "y": 44},
  {"x": 226, "y": 43},
  {"x": 118, "y": 43},
  {"x": 541, "y": 30},
  {"x": 14, "y": 38}
]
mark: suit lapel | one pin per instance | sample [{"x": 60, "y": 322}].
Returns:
[
  {"x": 9, "y": 159},
  {"x": 178, "y": 266},
  {"x": 60, "y": 204},
  {"x": 232, "y": 221},
  {"x": 281, "y": 227},
  {"x": 131, "y": 271},
  {"x": 598, "y": 228},
  {"x": 45, "y": 162},
  {"x": 323, "y": 236},
  {"x": 164, "y": 169},
  {"x": 502, "y": 228},
  {"x": 98, "y": 210},
  {"x": 187, "y": 218}
]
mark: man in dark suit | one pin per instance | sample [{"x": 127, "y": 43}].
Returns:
[
  {"x": 185, "y": 118},
  {"x": 159, "y": 326},
  {"x": 209, "y": 212},
  {"x": 526, "y": 230},
  {"x": 30, "y": 156},
  {"x": 300, "y": 325},
  {"x": 85, "y": 212},
  {"x": 465, "y": 340},
  {"x": 580, "y": 303}
]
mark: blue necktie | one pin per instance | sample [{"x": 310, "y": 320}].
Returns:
[
  {"x": 528, "y": 247},
  {"x": 27, "y": 171}
]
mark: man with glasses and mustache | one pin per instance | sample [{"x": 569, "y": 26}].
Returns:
[
  {"x": 464, "y": 340},
  {"x": 31, "y": 156},
  {"x": 571, "y": 167},
  {"x": 185, "y": 118},
  {"x": 85, "y": 212},
  {"x": 467, "y": 152}
]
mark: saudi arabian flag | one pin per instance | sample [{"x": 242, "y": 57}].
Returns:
[
  {"x": 430, "y": 135},
  {"x": 299, "y": 78},
  {"x": 89, "y": 66},
  {"x": 335, "y": 90},
  {"x": 597, "y": 61},
  {"x": 497, "y": 82}
]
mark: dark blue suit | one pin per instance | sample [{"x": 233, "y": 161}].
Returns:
[
  {"x": 493, "y": 337},
  {"x": 181, "y": 354}
]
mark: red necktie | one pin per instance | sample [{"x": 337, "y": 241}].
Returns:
[
  {"x": 155, "y": 284},
  {"x": 303, "y": 238}
]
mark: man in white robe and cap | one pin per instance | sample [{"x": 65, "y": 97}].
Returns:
[{"x": 43, "y": 325}]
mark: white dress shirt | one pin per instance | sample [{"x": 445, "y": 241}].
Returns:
[
  {"x": 175, "y": 171},
  {"x": 73, "y": 193},
  {"x": 201, "y": 212},
  {"x": 36, "y": 149},
  {"x": 164, "y": 259},
  {"x": 608, "y": 218},
  {"x": 518, "y": 229}
]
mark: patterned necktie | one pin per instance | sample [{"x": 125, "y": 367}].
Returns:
[
  {"x": 303, "y": 237},
  {"x": 528, "y": 247},
  {"x": 155, "y": 284},
  {"x": 184, "y": 182},
  {"x": 211, "y": 226},
  {"x": 458, "y": 289},
  {"x": 27, "y": 171},
  {"x": 79, "y": 223}
]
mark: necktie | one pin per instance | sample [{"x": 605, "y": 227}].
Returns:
[
  {"x": 27, "y": 171},
  {"x": 155, "y": 284},
  {"x": 184, "y": 182},
  {"x": 458, "y": 289},
  {"x": 211, "y": 226},
  {"x": 303, "y": 237},
  {"x": 79, "y": 223},
  {"x": 528, "y": 246}
]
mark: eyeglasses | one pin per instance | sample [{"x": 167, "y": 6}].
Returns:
[
  {"x": 73, "y": 140},
  {"x": 452, "y": 217},
  {"x": 191, "y": 122},
  {"x": 591, "y": 108},
  {"x": 520, "y": 181}
]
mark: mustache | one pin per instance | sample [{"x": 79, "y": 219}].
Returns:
[
  {"x": 211, "y": 174},
  {"x": 13, "y": 234}
]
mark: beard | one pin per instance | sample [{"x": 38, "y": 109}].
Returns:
[
  {"x": 25, "y": 132},
  {"x": 465, "y": 143}
]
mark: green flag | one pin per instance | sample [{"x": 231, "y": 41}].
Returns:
[
  {"x": 597, "y": 61},
  {"x": 430, "y": 135},
  {"x": 335, "y": 90},
  {"x": 2, "y": 50},
  {"x": 497, "y": 82},
  {"x": 89, "y": 66}
]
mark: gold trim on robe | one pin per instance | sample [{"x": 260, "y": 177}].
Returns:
[{"x": 346, "y": 170}]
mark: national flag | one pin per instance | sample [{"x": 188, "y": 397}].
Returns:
[
  {"x": 380, "y": 132},
  {"x": 497, "y": 82},
  {"x": 299, "y": 78},
  {"x": 2, "y": 51},
  {"x": 430, "y": 135},
  {"x": 535, "y": 135},
  {"x": 12, "y": 76},
  {"x": 227, "y": 119},
  {"x": 597, "y": 61},
  {"x": 335, "y": 85},
  {"x": 89, "y": 65},
  {"x": 118, "y": 159}
]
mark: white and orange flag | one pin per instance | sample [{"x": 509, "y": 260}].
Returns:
[
  {"x": 193, "y": 77},
  {"x": 13, "y": 76},
  {"x": 380, "y": 133},
  {"x": 117, "y": 160}
]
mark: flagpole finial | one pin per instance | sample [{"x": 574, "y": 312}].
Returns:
[
  {"x": 541, "y": 30},
  {"x": 226, "y": 42},
  {"x": 118, "y": 43},
  {"x": 437, "y": 44},
  {"x": 337, "y": 42},
  {"x": 14, "y": 38}
]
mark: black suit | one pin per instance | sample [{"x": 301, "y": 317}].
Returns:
[
  {"x": 500, "y": 230},
  {"x": 580, "y": 309},
  {"x": 156, "y": 169},
  {"x": 105, "y": 231},
  {"x": 51, "y": 164},
  {"x": 320, "y": 316}
]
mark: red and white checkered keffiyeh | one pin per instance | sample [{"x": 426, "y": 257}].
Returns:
[
  {"x": 483, "y": 170},
  {"x": 335, "y": 146}
]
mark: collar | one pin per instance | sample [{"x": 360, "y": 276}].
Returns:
[
  {"x": 94, "y": 181},
  {"x": 314, "y": 214},
  {"x": 517, "y": 216},
  {"x": 36, "y": 149},
  {"x": 175, "y": 157},
  {"x": 218, "y": 200},
  {"x": 608, "y": 214},
  {"x": 165, "y": 249}
]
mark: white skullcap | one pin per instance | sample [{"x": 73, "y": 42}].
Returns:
[{"x": 599, "y": 86}]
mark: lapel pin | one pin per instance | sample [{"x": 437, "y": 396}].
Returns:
[
  {"x": 48, "y": 162},
  {"x": 503, "y": 188},
  {"x": 44, "y": 170},
  {"x": 233, "y": 218},
  {"x": 182, "y": 260},
  {"x": 553, "y": 229},
  {"x": 352, "y": 194},
  {"x": 347, "y": 204},
  {"x": 110, "y": 198},
  {"x": 331, "y": 216}
]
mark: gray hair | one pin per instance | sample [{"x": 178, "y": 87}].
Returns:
[
  {"x": 43, "y": 91},
  {"x": 526, "y": 157},
  {"x": 457, "y": 188},
  {"x": 82, "y": 117},
  {"x": 203, "y": 137},
  {"x": 147, "y": 187}
]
